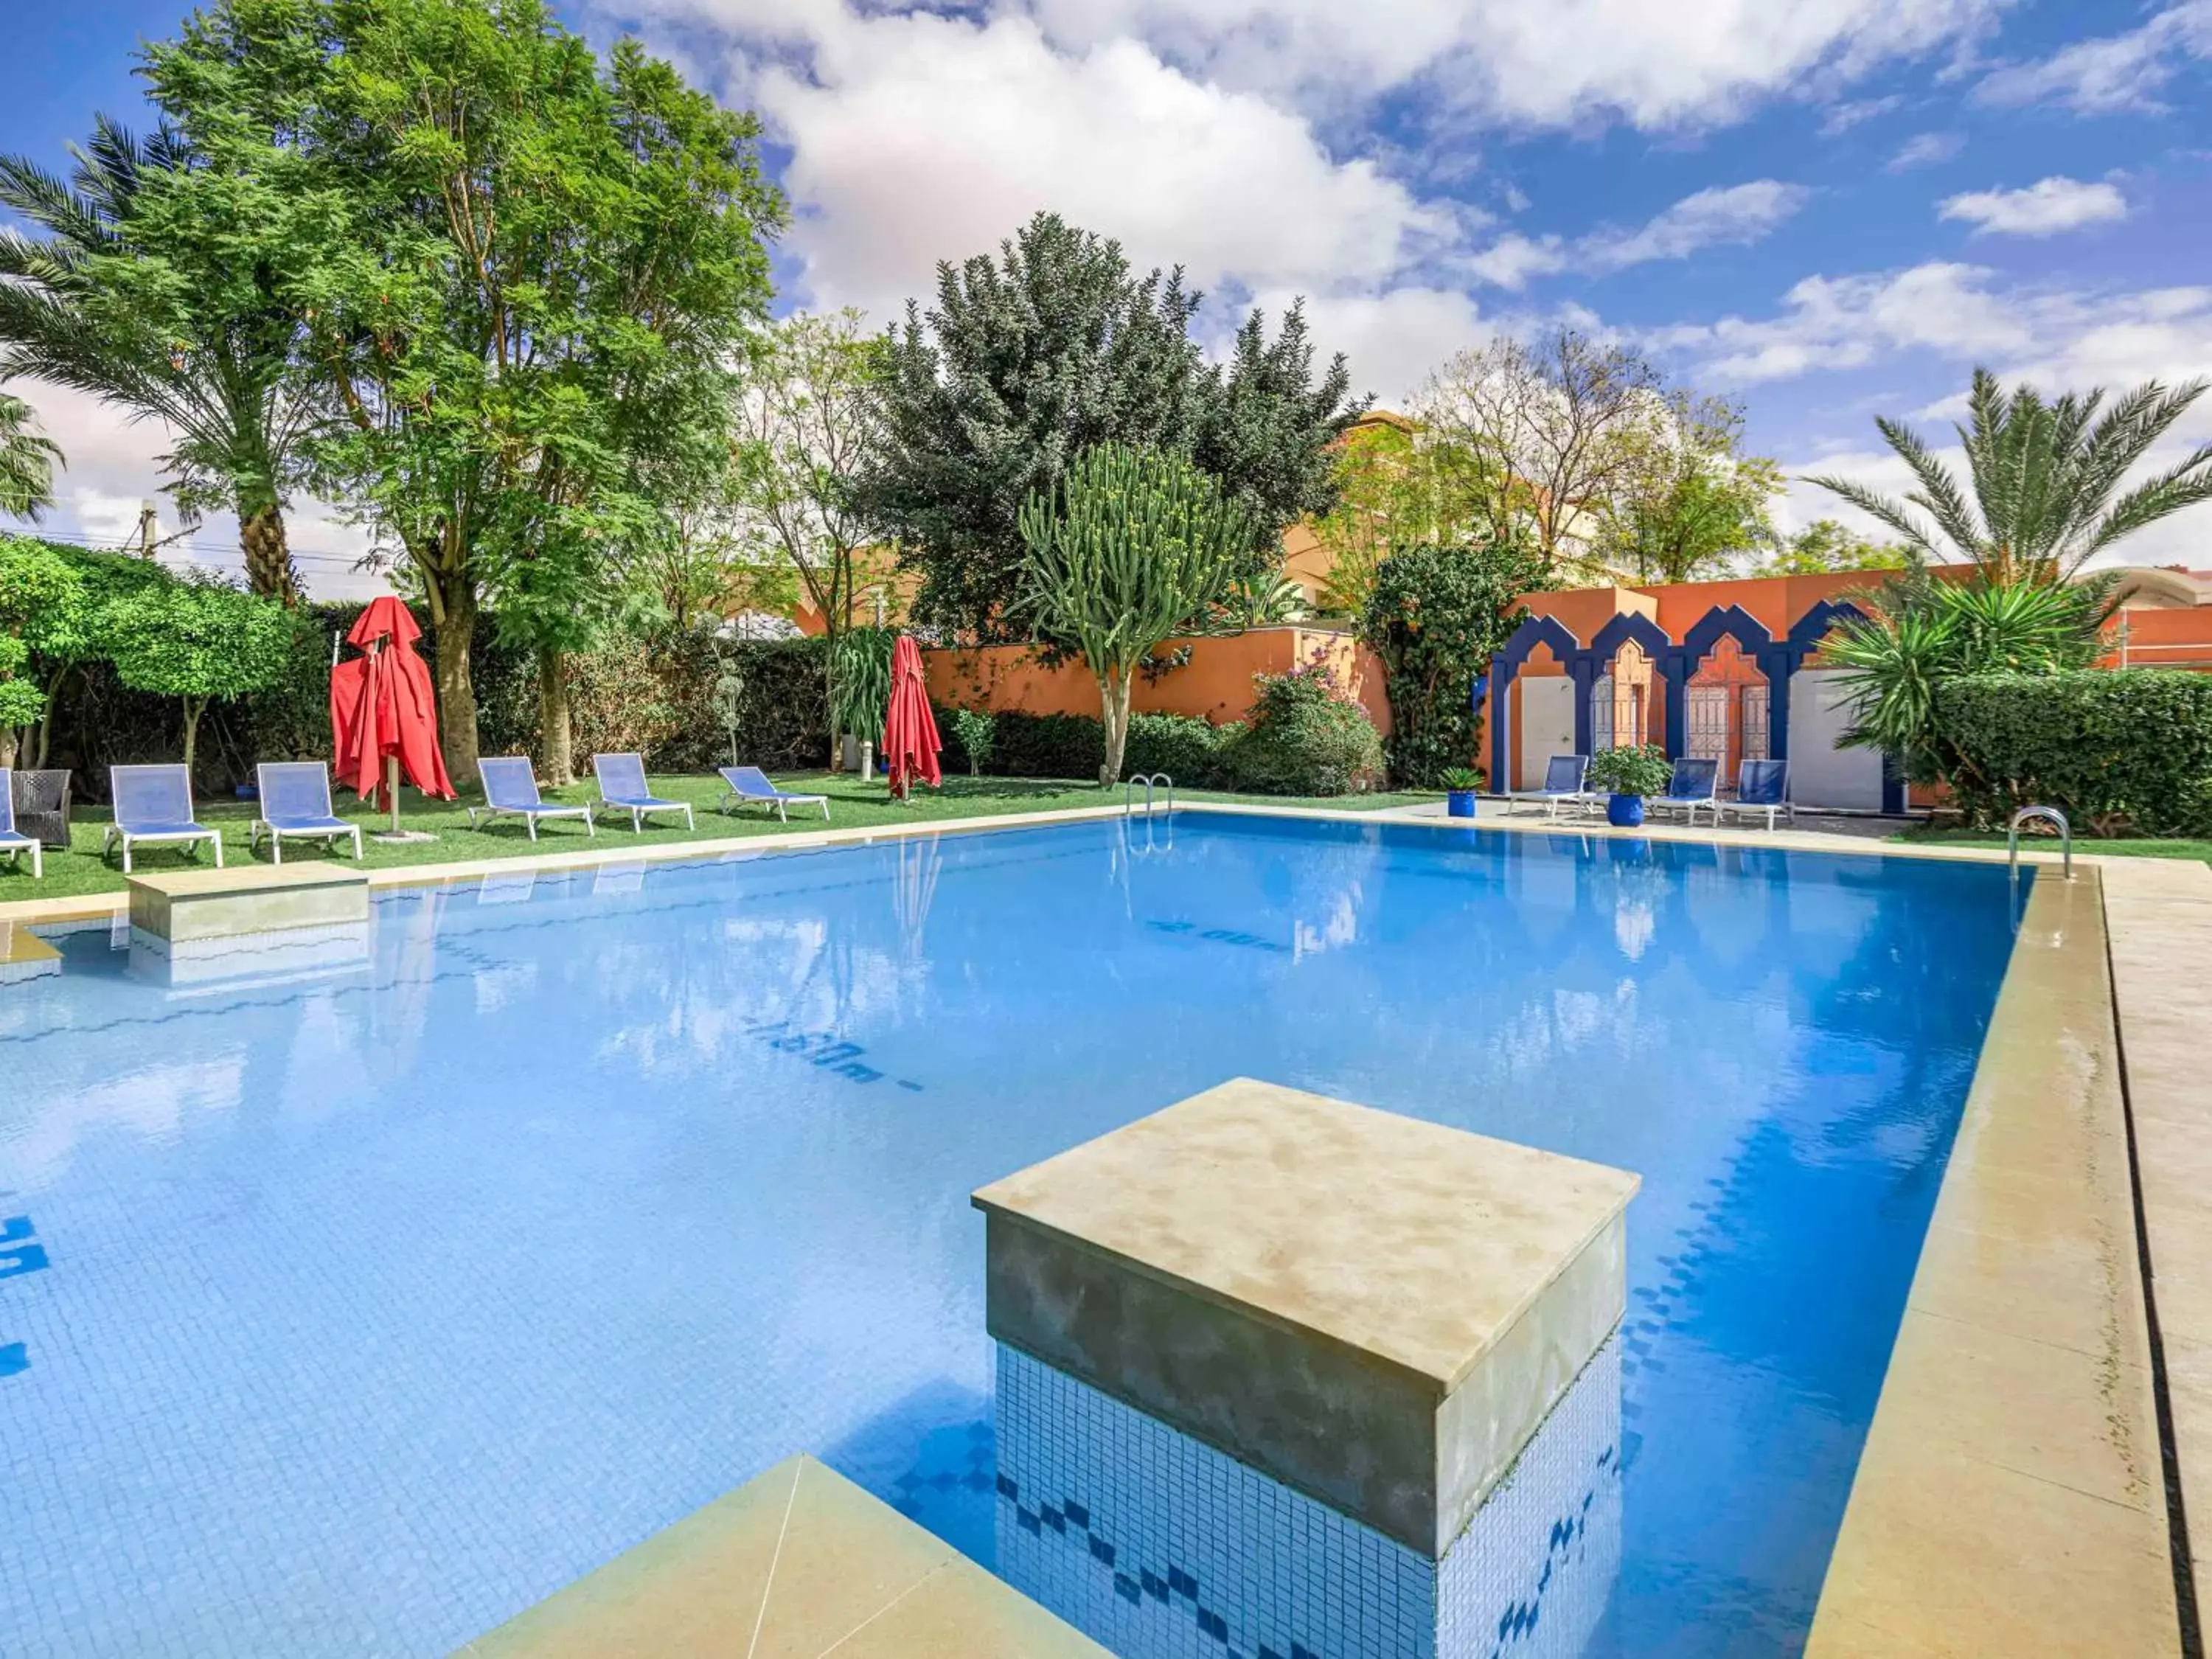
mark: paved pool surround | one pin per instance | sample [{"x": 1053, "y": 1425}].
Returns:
[{"x": 1377, "y": 1311}]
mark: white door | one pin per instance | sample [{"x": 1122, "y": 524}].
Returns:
[
  {"x": 1820, "y": 773},
  {"x": 1547, "y": 724}
]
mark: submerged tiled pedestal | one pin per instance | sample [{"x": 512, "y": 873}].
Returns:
[
  {"x": 1307, "y": 1377},
  {"x": 195, "y": 927}
]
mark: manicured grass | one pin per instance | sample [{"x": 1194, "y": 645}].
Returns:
[
  {"x": 2115, "y": 846},
  {"x": 852, "y": 804}
]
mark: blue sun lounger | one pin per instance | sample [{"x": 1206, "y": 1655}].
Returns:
[
  {"x": 296, "y": 801},
  {"x": 510, "y": 788},
  {"x": 623, "y": 787},
  {"x": 1696, "y": 783},
  {"x": 14, "y": 842},
  {"x": 154, "y": 805},
  {"x": 1563, "y": 784},
  {"x": 749, "y": 783},
  {"x": 1762, "y": 785}
]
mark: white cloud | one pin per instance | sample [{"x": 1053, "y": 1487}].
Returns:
[
  {"x": 1393, "y": 340},
  {"x": 2043, "y": 208},
  {"x": 2057, "y": 339},
  {"x": 1537, "y": 62},
  {"x": 1708, "y": 218},
  {"x": 920, "y": 138},
  {"x": 1841, "y": 118},
  {"x": 112, "y": 467},
  {"x": 1926, "y": 150},
  {"x": 1735, "y": 214},
  {"x": 2111, "y": 72}
]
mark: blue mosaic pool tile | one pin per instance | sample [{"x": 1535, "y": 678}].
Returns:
[{"x": 1161, "y": 1547}]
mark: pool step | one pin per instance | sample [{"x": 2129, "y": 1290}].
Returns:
[{"x": 793, "y": 1563}]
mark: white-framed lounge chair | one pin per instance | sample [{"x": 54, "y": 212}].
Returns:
[
  {"x": 510, "y": 787},
  {"x": 1762, "y": 786},
  {"x": 623, "y": 788},
  {"x": 750, "y": 784},
  {"x": 296, "y": 801},
  {"x": 13, "y": 843},
  {"x": 1696, "y": 783},
  {"x": 154, "y": 805},
  {"x": 1564, "y": 785}
]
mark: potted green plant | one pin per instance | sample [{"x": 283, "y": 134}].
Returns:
[
  {"x": 1628, "y": 775},
  {"x": 1461, "y": 783}
]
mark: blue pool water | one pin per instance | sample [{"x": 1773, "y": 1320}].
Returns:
[{"x": 351, "y": 1313}]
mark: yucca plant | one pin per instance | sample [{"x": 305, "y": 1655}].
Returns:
[
  {"x": 1132, "y": 545},
  {"x": 1922, "y": 630},
  {"x": 2043, "y": 493}
]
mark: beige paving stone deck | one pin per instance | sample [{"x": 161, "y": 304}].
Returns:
[
  {"x": 1379, "y": 1311},
  {"x": 796, "y": 1564},
  {"x": 182, "y": 906},
  {"x": 2161, "y": 915},
  {"x": 2010, "y": 1501}
]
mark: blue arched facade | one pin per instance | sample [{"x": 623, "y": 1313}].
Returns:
[{"x": 1677, "y": 664}]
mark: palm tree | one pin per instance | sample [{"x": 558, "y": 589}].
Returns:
[
  {"x": 27, "y": 460},
  {"x": 2043, "y": 477},
  {"x": 169, "y": 313}
]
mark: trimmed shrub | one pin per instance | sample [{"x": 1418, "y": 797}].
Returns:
[
  {"x": 2113, "y": 750},
  {"x": 975, "y": 730},
  {"x": 1304, "y": 739},
  {"x": 1436, "y": 617},
  {"x": 1192, "y": 751}
]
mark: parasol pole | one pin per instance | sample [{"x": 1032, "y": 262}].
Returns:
[{"x": 392, "y": 789}]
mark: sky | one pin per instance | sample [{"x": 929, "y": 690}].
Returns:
[{"x": 1828, "y": 209}]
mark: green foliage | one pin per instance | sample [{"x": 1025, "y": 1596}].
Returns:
[
  {"x": 164, "y": 285},
  {"x": 525, "y": 274},
  {"x": 2113, "y": 750},
  {"x": 1920, "y": 632},
  {"x": 1436, "y": 618},
  {"x": 1195, "y": 752},
  {"x": 39, "y": 590},
  {"x": 1133, "y": 544},
  {"x": 2042, "y": 478},
  {"x": 1306, "y": 739},
  {"x": 972, "y": 732},
  {"x": 1691, "y": 499},
  {"x": 1025, "y": 364},
  {"x": 1461, "y": 779},
  {"x": 1824, "y": 547},
  {"x": 860, "y": 681},
  {"x": 1631, "y": 769},
  {"x": 27, "y": 460},
  {"x": 199, "y": 641}
]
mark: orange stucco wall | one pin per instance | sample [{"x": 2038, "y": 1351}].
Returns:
[{"x": 1215, "y": 684}]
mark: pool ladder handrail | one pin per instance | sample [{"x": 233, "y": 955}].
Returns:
[
  {"x": 2032, "y": 814},
  {"x": 1148, "y": 778}
]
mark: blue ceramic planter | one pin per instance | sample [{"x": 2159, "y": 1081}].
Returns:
[
  {"x": 1624, "y": 812},
  {"x": 1460, "y": 803}
]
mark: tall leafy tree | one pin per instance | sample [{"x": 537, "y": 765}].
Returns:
[
  {"x": 27, "y": 460},
  {"x": 531, "y": 272},
  {"x": 1131, "y": 545},
  {"x": 1695, "y": 503},
  {"x": 199, "y": 641},
  {"x": 2044, "y": 492},
  {"x": 809, "y": 428},
  {"x": 1025, "y": 363},
  {"x": 156, "y": 277},
  {"x": 1825, "y": 547}
]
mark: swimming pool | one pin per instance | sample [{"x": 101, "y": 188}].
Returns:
[{"x": 372, "y": 1305}]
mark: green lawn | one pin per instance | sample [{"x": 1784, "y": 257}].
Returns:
[
  {"x": 852, "y": 804},
  {"x": 2116, "y": 846}
]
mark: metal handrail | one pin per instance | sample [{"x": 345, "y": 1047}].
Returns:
[
  {"x": 1148, "y": 778},
  {"x": 2047, "y": 815}
]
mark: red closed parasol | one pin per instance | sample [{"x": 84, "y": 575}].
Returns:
[
  {"x": 910, "y": 741},
  {"x": 383, "y": 712}
]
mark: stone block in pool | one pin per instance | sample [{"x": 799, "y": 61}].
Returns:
[
  {"x": 189, "y": 905},
  {"x": 1375, "y": 1310}
]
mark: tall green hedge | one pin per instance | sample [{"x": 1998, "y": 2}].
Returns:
[{"x": 2113, "y": 750}]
